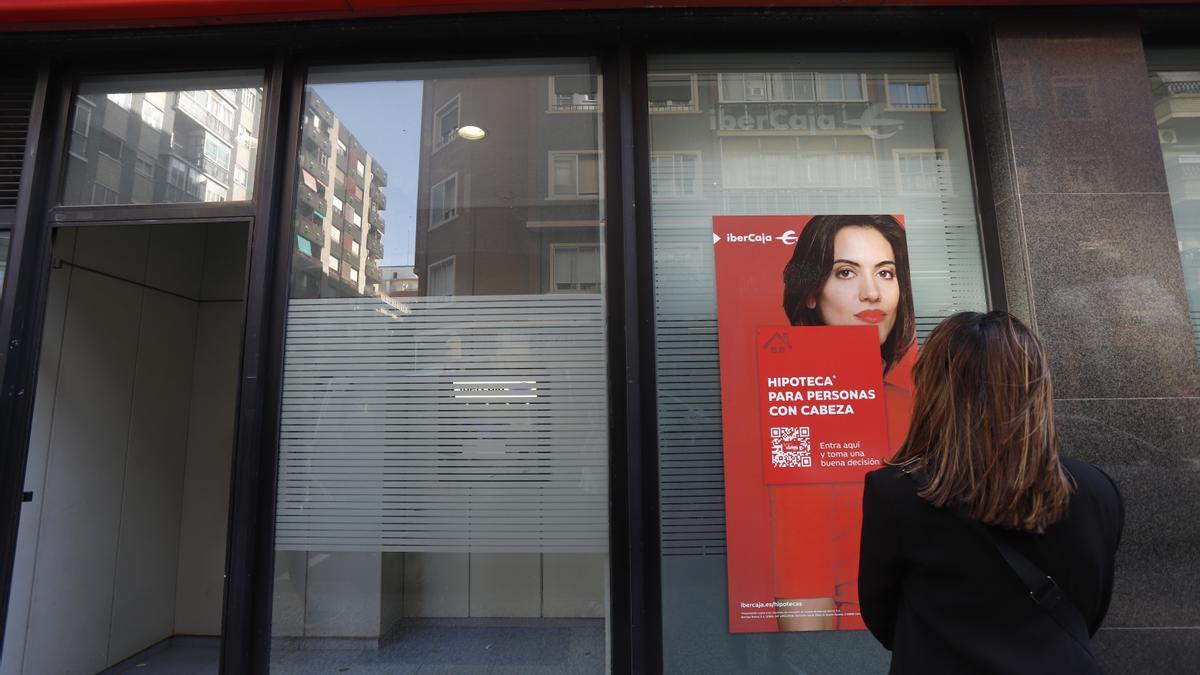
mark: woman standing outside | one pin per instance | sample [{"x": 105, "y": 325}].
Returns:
[{"x": 978, "y": 482}]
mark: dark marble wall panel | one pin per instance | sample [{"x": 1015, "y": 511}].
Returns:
[
  {"x": 1078, "y": 100},
  {"x": 1109, "y": 295},
  {"x": 1090, "y": 252},
  {"x": 1137, "y": 652},
  {"x": 1149, "y": 448}
]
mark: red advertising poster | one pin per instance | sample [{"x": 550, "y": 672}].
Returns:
[{"x": 817, "y": 341}]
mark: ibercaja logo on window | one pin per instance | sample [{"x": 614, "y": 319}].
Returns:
[{"x": 816, "y": 332}]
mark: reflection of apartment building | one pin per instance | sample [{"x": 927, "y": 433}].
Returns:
[
  {"x": 167, "y": 146},
  {"x": 799, "y": 141},
  {"x": 339, "y": 210},
  {"x": 484, "y": 229},
  {"x": 399, "y": 281}
]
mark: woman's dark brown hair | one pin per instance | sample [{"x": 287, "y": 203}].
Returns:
[
  {"x": 812, "y": 263},
  {"x": 982, "y": 432}
]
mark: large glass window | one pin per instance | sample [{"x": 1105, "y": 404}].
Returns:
[
  {"x": 784, "y": 135},
  {"x": 1175, "y": 83},
  {"x": 443, "y": 499},
  {"x": 183, "y": 137}
]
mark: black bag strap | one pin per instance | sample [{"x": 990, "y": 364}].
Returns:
[{"x": 1043, "y": 589}]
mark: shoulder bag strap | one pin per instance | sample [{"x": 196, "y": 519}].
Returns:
[{"x": 1042, "y": 588}]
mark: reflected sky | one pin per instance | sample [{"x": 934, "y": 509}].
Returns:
[{"x": 386, "y": 119}]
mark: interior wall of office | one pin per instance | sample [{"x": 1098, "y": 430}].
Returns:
[{"x": 123, "y": 544}]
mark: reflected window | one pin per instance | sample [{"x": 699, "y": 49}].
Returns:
[
  {"x": 575, "y": 174},
  {"x": 842, "y": 87},
  {"x": 793, "y": 86},
  {"x": 445, "y": 128},
  {"x": 675, "y": 175},
  {"x": 574, "y": 93},
  {"x": 185, "y": 137},
  {"x": 913, "y": 92},
  {"x": 441, "y": 277},
  {"x": 671, "y": 92},
  {"x": 576, "y": 268},
  {"x": 443, "y": 201},
  {"x": 922, "y": 171}
]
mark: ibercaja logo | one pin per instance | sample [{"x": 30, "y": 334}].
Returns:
[{"x": 787, "y": 238}]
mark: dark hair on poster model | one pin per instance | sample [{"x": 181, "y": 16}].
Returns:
[{"x": 811, "y": 266}]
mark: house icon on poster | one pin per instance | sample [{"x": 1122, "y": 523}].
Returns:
[{"x": 778, "y": 342}]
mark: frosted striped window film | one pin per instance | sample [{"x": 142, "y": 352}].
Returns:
[
  {"x": 467, "y": 424},
  {"x": 1175, "y": 86},
  {"x": 876, "y": 133},
  {"x": 443, "y": 447}
]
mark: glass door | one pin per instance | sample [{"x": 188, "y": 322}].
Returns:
[{"x": 121, "y": 550}]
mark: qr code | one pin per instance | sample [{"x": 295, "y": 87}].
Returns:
[{"x": 791, "y": 447}]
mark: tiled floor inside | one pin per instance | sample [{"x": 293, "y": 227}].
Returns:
[
  {"x": 177, "y": 656},
  {"x": 424, "y": 646}
]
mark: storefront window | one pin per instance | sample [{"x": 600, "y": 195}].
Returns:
[
  {"x": 1175, "y": 83},
  {"x": 442, "y": 497},
  {"x": 787, "y": 136},
  {"x": 185, "y": 137}
]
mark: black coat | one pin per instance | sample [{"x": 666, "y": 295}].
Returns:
[{"x": 937, "y": 593}]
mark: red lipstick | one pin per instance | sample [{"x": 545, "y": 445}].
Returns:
[{"x": 871, "y": 315}]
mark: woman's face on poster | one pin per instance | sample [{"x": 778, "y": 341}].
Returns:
[{"x": 862, "y": 289}]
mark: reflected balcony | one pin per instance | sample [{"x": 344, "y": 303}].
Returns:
[
  {"x": 310, "y": 164},
  {"x": 319, "y": 137},
  {"x": 378, "y": 199},
  {"x": 375, "y": 247},
  {"x": 374, "y": 274},
  {"x": 309, "y": 229},
  {"x": 219, "y": 171},
  {"x": 375, "y": 219},
  {"x": 318, "y": 105},
  {"x": 310, "y": 198},
  {"x": 379, "y": 174}
]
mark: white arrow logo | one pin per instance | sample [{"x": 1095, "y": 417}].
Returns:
[{"x": 716, "y": 237}]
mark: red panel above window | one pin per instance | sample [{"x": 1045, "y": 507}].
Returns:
[{"x": 54, "y": 14}]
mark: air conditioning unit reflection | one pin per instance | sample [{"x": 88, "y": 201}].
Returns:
[{"x": 1167, "y": 136}]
